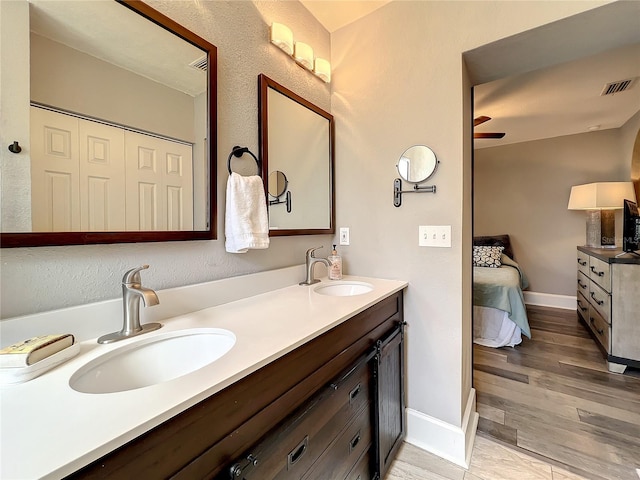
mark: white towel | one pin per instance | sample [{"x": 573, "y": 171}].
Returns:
[{"x": 246, "y": 220}]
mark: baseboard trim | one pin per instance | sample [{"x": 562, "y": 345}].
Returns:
[
  {"x": 452, "y": 443},
  {"x": 566, "y": 302}
]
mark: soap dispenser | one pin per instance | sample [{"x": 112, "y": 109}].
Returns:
[{"x": 335, "y": 270}]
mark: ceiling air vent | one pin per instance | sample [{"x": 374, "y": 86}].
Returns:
[
  {"x": 200, "y": 64},
  {"x": 619, "y": 86}
]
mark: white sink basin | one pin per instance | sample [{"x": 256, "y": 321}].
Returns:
[
  {"x": 343, "y": 289},
  {"x": 153, "y": 360}
]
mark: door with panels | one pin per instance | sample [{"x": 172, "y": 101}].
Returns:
[
  {"x": 159, "y": 182},
  {"x": 89, "y": 176}
]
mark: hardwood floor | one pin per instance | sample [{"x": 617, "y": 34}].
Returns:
[{"x": 553, "y": 397}]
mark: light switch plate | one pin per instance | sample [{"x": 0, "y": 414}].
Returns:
[{"x": 434, "y": 236}]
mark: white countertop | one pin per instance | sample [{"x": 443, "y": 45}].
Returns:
[{"x": 48, "y": 430}]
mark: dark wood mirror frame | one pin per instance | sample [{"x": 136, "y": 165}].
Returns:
[
  {"x": 264, "y": 83},
  {"x": 39, "y": 239}
]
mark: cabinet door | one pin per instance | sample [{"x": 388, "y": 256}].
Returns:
[{"x": 390, "y": 421}]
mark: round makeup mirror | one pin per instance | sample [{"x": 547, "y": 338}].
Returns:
[
  {"x": 277, "y": 183},
  {"x": 417, "y": 163}
]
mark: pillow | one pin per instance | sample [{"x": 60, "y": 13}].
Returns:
[
  {"x": 484, "y": 256},
  {"x": 495, "y": 241}
]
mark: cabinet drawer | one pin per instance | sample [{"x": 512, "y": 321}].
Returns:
[
  {"x": 600, "y": 273},
  {"x": 343, "y": 454},
  {"x": 362, "y": 469},
  {"x": 583, "y": 284},
  {"x": 600, "y": 328},
  {"x": 292, "y": 448},
  {"x": 583, "y": 306},
  {"x": 583, "y": 263},
  {"x": 601, "y": 301}
]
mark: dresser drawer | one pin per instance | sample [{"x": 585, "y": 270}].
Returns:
[
  {"x": 583, "y": 284},
  {"x": 600, "y": 328},
  {"x": 583, "y": 263},
  {"x": 600, "y": 273},
  {"x": 601, "y": 301},
  {"x": 343, "y": 454},
  {"x": 290, "y": 450},
  {"x": 583, "y": 306}
]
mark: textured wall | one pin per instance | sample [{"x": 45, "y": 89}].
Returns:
[
  {"x": 45, "y": 278},
  {"x": 399, "y": 80},
  {"x": 523, "y": 190}
]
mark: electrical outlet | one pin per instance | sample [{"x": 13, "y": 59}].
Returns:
[{"x": 344, "y": 235}]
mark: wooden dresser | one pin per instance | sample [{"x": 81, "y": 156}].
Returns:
[{"x": 609, "y": 303}]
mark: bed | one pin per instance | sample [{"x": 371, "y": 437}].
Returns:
[{"x": 500, "y": 317}]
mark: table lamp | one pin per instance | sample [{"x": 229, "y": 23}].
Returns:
[{"x": 600, "y": 200}]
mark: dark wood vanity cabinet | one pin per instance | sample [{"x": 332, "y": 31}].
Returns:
[
  {"x": 390, "y": 419},
  {"x": 332, "y": 408}
]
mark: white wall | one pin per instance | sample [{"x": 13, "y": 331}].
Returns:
[
  {"x": 46, "y": 278},
  {"x": 90, "y": 86},
  {"x": 399, "y": 80},
  {"x": 523, "y": 190}
]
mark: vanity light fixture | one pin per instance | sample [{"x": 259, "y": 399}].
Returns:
[
  {"x": 282, "y": 37},
  {"x": 302, "y": 53},
  {"x": 323, "y": 69},
  {"x": 600, "y": 200}
]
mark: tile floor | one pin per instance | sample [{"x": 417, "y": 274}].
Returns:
[{"x": 490, "y": 460}]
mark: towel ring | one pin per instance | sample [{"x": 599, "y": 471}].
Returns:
[{"x": 238, "y": 152}]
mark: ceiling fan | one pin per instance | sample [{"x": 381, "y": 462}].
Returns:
[{"x": 479, "y": 121}]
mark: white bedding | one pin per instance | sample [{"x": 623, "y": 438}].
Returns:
[{"x": 493, "y": 328}]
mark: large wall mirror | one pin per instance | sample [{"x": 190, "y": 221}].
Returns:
[
  {"x": 123, "y": 128},
  {"x": 296, "y": 149}
]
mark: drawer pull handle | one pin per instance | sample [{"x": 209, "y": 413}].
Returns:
[
  {"x": 582, "y": 285},
  {"x": 354, "y": 393},
  {"x": 237, "y": 468},
  {"x": 591, "y": 320},
  {"x": 297, "y": 453},
  {"x": 584, "y": 309},
  {"x": 583, "y": 263},
  {"x": 600, "y": 330},
  {"x": 599, "y": 302},
  {"x": 354, "y": 442},
  {"x": 593, "y": 269}
]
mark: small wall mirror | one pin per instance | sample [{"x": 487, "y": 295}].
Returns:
[
  {"x": 417, "y": 164},
  {"x": 296, "y": 146},
  {"x": 278, "y": 188},
  {"x": 277, "y": 184},
  {"x": 123, "y": 128}
]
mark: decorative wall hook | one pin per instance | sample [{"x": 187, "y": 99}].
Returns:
[{"x": 15, "y": 147}]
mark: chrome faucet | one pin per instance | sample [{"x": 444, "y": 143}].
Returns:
[
  {"x": 311, "y": 260},
  {"x": 132, "y": 293}
]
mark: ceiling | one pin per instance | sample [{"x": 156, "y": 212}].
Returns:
[
  {"x": 558, "y": 100},
  {"x": 122, "y": 38},
  {"x": 335, "y": 14}
]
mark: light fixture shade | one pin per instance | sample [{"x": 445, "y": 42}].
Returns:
[
  {"x": 602, "y": 195},
  {"x": 282, "y": 37},
  {"x": 303, "y": 54},
  {"x": 323, "y": 69}
]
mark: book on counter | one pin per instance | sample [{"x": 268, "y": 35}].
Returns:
[{"x": 34, "y": 349}]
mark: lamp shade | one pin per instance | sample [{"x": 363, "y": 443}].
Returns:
[
  {"x": 602, "y": 195},
  {"x": 282, "y": 37}
]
